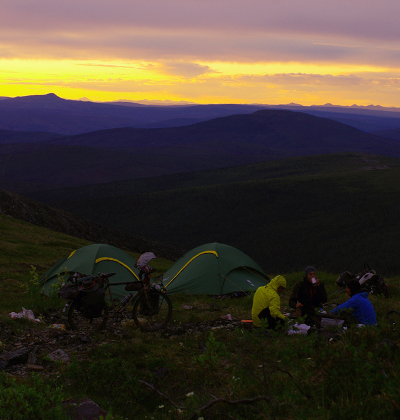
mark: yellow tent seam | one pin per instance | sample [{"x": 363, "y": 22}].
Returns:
[
  {"x": 176, "y": 275},
  {"x": 119, "y": 262},
  {"x": 71, "y": 254}
]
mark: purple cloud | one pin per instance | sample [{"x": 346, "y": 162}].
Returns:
[{"x": 303, "y": 30}]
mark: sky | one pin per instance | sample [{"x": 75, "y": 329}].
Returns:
[{"x": 309, "y": 52}]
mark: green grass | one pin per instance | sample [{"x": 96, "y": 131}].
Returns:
[
  {"x": 239, "y": 375},
  {"x": 26, "y": 247},
  {"x": 23, "y": 246}
]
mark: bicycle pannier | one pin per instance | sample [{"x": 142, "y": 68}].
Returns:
[
  {"x": 69, "y": 291},
  {"x": 154, "y": 299},
  {"x": 91, "y": 298},
  {"x": 91, "y": 304},
  {"x": 153, "y": 302}
]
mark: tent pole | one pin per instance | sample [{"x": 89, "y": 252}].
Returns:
[
  {"x": 255, "y": 273},
  {"x": 226, "y": 278}
]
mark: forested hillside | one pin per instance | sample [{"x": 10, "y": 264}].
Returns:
[
  {"x": 39, "y": 214},
  {"x": 335, "y": 211}
]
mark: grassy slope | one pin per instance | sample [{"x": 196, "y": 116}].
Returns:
[
  {"x": 297, "y": 376},
  {"x": 335, "y": 211},
  {"x": 23, "y": 245}
]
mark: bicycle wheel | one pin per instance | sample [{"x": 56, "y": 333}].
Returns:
[
  {"x": 79, "y": 322},
  {"x": 152, "y": 312},
  {"x": 393, "y": 318}
]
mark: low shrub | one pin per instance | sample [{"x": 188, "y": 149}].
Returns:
[{"x": 34, "y": 398}]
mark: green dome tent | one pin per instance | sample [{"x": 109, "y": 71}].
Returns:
[
  {"x": 91, "y": 260},
  {"x": 214, "y": 269}
]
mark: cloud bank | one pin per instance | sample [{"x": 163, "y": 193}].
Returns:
[{"x": 353, "y": 42}]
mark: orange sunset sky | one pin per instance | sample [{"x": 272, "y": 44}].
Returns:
[{"x": 342, "y": 52}]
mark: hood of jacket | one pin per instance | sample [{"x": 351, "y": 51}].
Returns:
[{"x": 276, "y": 282}]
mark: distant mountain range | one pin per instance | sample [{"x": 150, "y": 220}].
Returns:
[
  {"x": 246, "y": 191},
  {"x": 52, "y": 114},
  {"x": 49, "y": 113},
  {"x": 31, "y": 161}
]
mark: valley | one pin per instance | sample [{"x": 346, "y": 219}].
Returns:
[
  {"x": 287, "y": 188},
  {"x": 319, "y": 190}
]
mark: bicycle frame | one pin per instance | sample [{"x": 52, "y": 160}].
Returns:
[
  {"x": 151, "y": 311},
  {"x": 152, "y": 308},
  {"x": 120, "y": 307}
]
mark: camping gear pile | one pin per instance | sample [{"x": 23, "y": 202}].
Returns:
[{"x": 369, "y": 280}]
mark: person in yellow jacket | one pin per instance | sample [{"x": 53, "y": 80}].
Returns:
[{"x": 267, "y": 303}]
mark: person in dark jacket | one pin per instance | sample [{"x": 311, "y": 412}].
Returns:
[
  {"x": 361, "y": 308},
  {"x": 308, "y": 295}
]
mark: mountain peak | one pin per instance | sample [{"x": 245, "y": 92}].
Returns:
[
  {"x": 44, "y": 98},
  {"x": 51, "y": 95},
  {"x": 48, "y": 101},
  {"x": 38, "y": 99}
]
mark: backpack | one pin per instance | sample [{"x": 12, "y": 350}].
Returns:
[
  {"x": 369, "y": 280},
  {"x": 344, "y": 278},
  {"x": 91, "y": 304},
  {"x": 372, "y": 283}
]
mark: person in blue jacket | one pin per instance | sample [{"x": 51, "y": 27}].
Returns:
[{"x": 362, "y": 310}]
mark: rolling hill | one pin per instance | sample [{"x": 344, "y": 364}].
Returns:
[
  {"x": 49, "y": 113},
  {"x": 369, "y": 119},
  {"x": 12, "y": 137},
  {"x": 128, "y": 153},
  {"x": 389, "y": 134},
  {"x": 273, "y": 132}
]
